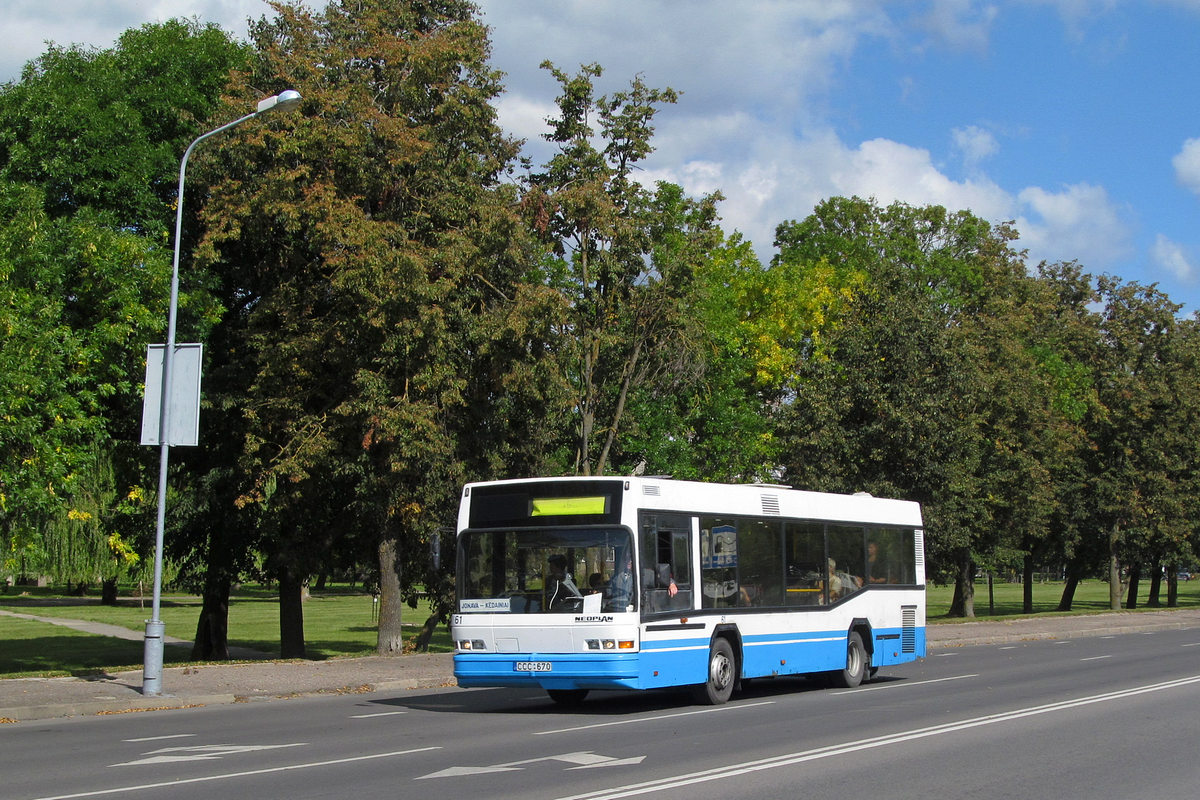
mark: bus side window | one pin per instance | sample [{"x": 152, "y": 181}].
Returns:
[
  {"x": 890, "y": 556},
  {"x": 666, "y": 562},
  {"x": 804, "y": 553},
  {"x": 847, "y": 560}
]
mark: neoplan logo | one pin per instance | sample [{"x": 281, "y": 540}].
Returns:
[{"x": 596, "y": 618}]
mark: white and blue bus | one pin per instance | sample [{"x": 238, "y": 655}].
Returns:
[{"x": 575, "y": 584}]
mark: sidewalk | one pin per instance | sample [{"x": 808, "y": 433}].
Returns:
[{"x": 23, "y": 699}]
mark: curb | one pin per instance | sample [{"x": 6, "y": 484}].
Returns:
[{"x": 105, "y": 706}]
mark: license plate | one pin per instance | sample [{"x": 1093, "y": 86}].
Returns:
[{"x": 532, "y": 666}]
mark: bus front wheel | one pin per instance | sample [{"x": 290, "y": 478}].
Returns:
[
  {"x": 857, "y": 663},
  {"x": 722, "y": 674}
]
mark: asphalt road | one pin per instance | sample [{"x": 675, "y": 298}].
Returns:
[{"x": 1102, "y": 717}]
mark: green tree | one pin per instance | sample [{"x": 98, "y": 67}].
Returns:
[
  {"x": 104, "y": 129},
  {"x": 715, "y": 422},
  {"x": 95, "y": 137},
  {"x": 622, "y": 257},
  {"x": 1131, "y": 466},
  {"x": 78, "y": 302},
  {"x": 362, "y": 247},
  {"x": 892, "y": 387}
]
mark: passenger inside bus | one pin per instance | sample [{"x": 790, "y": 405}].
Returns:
[
  {"x": 561, "y": 591},
  {"x": 660, "y": 587},
  {"x": 842, "y": 583},
  {"x": 620, "y": 588}
]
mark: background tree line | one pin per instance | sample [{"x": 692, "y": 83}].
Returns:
[{"x": 393, "y": 302}]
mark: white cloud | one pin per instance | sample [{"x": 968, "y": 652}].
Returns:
[
  {"x": 771, "y": 57},
  {"x": 961, "y": 24},
  {"x": 1187, "y": 165},
  {"x": 523, "y": 117},
  {"x": 776, "y": 178},
  {"x": 974, "y": 144},
  {"x": 29, "y": 24},
  {"x": 1079, "y": 222},
  {"x": 1170, "y": 256}
]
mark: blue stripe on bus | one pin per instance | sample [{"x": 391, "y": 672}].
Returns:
[{"x": 679, "y": 662}]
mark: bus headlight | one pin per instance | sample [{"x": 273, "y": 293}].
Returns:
[
  {"x": 472, "y": 644},
  {"x": 609, "y": 644}
]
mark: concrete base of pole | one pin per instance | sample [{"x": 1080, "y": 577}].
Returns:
[{"x": 152, "y": 659}]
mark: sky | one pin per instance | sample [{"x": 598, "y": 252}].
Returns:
[{"x": 1077, "y": 120}]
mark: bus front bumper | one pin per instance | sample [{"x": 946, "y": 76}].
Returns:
[{"x": 549, "y": 670}]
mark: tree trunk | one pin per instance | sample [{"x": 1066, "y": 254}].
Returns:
[
  {"x": 427, "y": 630},
  {"x": 291, "y": 614},
  {"x": 964, "y": 590},
  {"x": 1135, "y": 577},
  {"x": 1173, "y": 587},
  {"x": 626, "y": 381},
  {"x": 1068, "y": 595},
  {"x": 391, "y": 638},
  {"x": 1027, "y": 589},
  {"x": 212, "y": 629},
  {"x": 1156, "y": 571},
  {"x": 1114, "y": 569},
  {"x": 108, "y": 592}
]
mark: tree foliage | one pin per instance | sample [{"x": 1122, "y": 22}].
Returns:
[
  {"x": 104, "y": 129},
  {"x": 623, "y": 258},
  {"x": 363, "y": 247},
  {"x": 78, "y": 301}
]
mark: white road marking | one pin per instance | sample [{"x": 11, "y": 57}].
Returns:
[
  {"x": 380, "y": 714},
  {"x": 204, "y": 752},
  {"x": 231, "y": 775},
  {"x": 581, "y": 760},
  {"x": 656, "y": 718},
  {"x": 902, "y": 684},
  {"x": 160, "y": 738},
  {"x": 1095, "y": 658},
  {"x": 735, "y": 770}
]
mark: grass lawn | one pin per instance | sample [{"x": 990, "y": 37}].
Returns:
[
  {"x": 341, "y": 622},
  {"x": 1091, "y": 597},
  {"x": 41, "y": 649},
  {"x": 336, "y": 624}
]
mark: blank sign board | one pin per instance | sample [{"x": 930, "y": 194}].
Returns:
[{"x": 184, "y": 417}]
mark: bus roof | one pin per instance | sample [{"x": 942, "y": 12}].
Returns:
[{"x": 765, "y": 500}]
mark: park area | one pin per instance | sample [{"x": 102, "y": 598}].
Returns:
[{"x": 341, "y": 622}]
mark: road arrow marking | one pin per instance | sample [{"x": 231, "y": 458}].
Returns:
[
  {"x": 456, "y": 772},
  {"x": 579, "y": 760},
  {"x": 207, "y": 752},
  {"x": 614, "y": 762}
]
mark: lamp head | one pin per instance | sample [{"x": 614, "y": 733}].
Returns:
[{"x": 286, "y": 100}]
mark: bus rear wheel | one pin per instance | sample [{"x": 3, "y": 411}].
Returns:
[
  {"x": 857, "y": 663},
  {"x": 722, "y": 674}
]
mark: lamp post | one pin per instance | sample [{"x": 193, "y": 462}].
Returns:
[{"x": 153, "y": 650}]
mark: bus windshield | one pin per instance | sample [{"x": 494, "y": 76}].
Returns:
[{"x": 546, "y": 570}]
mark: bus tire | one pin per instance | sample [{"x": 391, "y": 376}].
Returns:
[
  {"x": 722, "y": 675},
  {"x": 857, "y": 663},
  {"x": 567, "y": 698}
]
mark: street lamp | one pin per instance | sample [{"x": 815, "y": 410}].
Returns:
[{"x": 153, "y": 651}]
